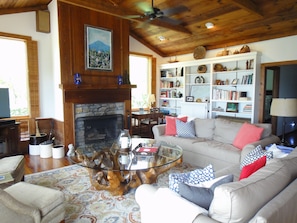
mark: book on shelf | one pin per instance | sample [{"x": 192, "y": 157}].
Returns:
[
  {"x": 248, "y": 108},
  {"x": 244, "y": 99},
  {"x": 247, "y": 79}
]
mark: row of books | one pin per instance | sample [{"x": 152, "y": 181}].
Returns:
[
  {"x": 167, "y": 84},
  {"x": 168, "y": 94},
  {"x": 220, "y": 94},
  {"x": 248, "y": 108},
  {"x": 247, "y": 79}
]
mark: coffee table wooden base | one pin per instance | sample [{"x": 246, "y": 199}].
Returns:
[{"x": 120, "y": 182}]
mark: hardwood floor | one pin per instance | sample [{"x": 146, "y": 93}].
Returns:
[{"x": 34, "y": 164}]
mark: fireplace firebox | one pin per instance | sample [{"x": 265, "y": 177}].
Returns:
[{"x": 98, "y": 132}]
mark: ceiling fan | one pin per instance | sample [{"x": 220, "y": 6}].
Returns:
[{"x": 155, "y": 16}]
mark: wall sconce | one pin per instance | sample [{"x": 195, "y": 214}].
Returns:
[{"x": 209, "y": 25}]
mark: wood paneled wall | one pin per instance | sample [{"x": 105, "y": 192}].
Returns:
[{"x": 72, "y": 21}]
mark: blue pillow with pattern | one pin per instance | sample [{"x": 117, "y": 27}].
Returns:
[
  {"x": 254, "y": 155},
  {"x": 185, "y": 129},
  {"x": 192, "y": 178}
]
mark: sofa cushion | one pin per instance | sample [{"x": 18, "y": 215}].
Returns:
[
  {"x": 10, "y": 164},
  {"x": 217, "y": 150},
  {"x": 235, "y": 202},
  {"x": 254, "y": 155},
  {"x": 267, "y": 129},
  {"x": 253, "y": 167},
  {"x": 185, "y": 129},
  {"x": 193, "y": 177},
  {"x": 30, "y": 194},
  {"x": 248, "y": 133},
  {"x": 170, "y": 128},
  {"x": 204, "y": 128},
  {"x": 201, "y": 195},
  {"x": 225, "y": 130}
]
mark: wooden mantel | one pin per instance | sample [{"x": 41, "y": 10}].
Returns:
[
  {"x": 87, "y": 94},
  {"x": 92, "y": 94}
]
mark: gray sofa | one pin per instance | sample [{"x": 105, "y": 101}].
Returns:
[
  {"x": 267, "y": 196},
  {"x": 213, "y": 142}
]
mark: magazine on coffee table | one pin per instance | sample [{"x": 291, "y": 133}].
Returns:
[{"x": 151, "y": 149}]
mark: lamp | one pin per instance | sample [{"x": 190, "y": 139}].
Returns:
[
  {"x": 152, "y": 100},
  {"x": 284, "y": 107}
]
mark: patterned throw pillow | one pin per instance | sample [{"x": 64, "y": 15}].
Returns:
[
  {"x": 185, "y": 129},
  {"x": 170, "y": 127},
  {"x": 192, "y": 178},
  {"x": 254, "y": 155}
]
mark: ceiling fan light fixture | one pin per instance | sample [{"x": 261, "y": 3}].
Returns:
[{"x": 209, "y": 25}]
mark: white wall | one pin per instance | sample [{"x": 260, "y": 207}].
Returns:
[
  {"x": 25, "y": 24},
  {"x": 275, "y": 50}
]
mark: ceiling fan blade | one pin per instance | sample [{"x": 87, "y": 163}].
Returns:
[
  {"x": 133, "y": 16},
  {"x": 159, "y": 22},
  {"x": 170, "y": 21},
  {"x": 175, "y": 10}
]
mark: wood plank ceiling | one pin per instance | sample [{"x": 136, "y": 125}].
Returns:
[{"x": 235, "y": 22}]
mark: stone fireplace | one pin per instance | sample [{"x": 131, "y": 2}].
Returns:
[
  {"x": 97, "y": 126},
  {"x": 111, "y": 100}
]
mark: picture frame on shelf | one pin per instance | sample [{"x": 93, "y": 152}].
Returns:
[
  {"x": 98, "y": 48},
  {"x": 232, "y": 107},
  {"x": 189, "y": 99}
]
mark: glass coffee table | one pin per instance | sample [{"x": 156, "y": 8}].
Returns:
[{"x": 119, "y": 171}]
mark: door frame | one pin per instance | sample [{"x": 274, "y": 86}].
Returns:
[{"x": 264, "y": 67}]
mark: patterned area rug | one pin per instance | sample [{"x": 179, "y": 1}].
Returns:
[{"x": 85, "y": 204}]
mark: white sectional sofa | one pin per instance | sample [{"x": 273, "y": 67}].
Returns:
[
  {"x": 213, "y": 143},
  {"x": 269, "y": 195}
]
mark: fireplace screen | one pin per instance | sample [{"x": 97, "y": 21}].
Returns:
[{"x": 97, "y": 132}]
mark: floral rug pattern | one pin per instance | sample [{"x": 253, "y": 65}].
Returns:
[{"x": 85, "y": 204}]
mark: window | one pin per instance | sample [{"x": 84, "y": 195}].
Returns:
[
  {"x": 140, "y": 74},
  {"x": 13, "y": 75},
  {"x": 24, "y": 98}
]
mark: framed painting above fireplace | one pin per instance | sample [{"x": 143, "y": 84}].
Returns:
[{"x": 98, "y": 48}]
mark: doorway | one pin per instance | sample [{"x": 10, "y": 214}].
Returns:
[{"x": 270, "y": 85}]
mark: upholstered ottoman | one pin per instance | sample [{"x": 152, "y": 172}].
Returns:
[
  {"x": 32, "y": 202},
  {"x": 13, "y": 165}
]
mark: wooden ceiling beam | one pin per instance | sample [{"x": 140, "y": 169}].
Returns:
[{"x": 248, "y": 5}]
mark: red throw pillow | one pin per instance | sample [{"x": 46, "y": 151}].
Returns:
[
  {"x": 248, "y": 133},
  {"x": 253, "y": 167},
  {"x": 170, "y": 128}
]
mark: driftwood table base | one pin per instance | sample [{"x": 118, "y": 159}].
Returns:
[
  {"x": 119, "y": 171},
  {"x": 120, "y": 182}
]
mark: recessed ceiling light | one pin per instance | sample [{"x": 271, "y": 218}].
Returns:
[
  {"x": 161, "y": 38},
  {"x": 209, "y": 25}
]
